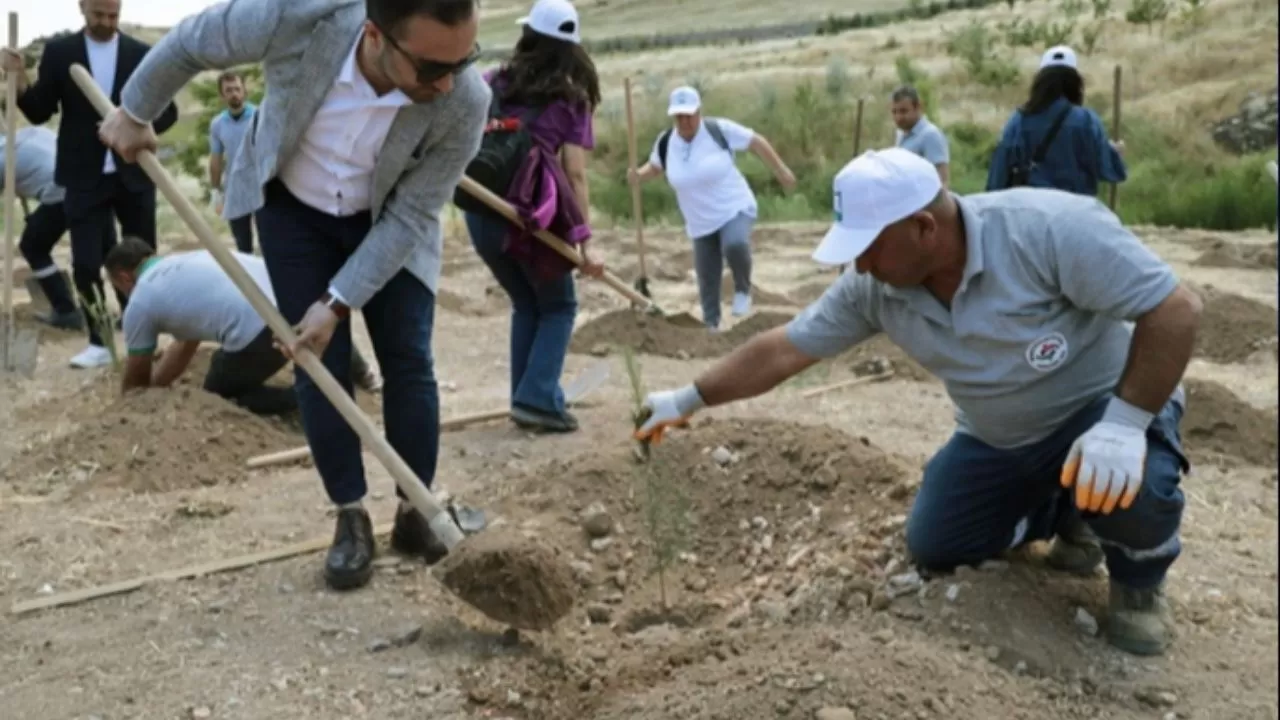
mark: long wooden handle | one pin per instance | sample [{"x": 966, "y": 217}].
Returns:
[
  {"x": 504, "y": 208},
  {"x": 1115, "y": 128},
  {"x": 440, "y": 521},
  {"x": 632, "y": 164},
  {"x": 10, "y": 191}
]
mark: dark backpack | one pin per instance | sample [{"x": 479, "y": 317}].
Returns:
[
  {"x": 503, "y": 149},
  {"x": 1020, "y": 172},
  {"x": 713, "y": 129}
]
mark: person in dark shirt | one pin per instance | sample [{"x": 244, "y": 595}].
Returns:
[{"x": 1078, "y": 156}]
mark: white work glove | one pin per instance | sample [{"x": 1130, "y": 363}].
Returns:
[
  {"x": 668, "y": 408},
  {"x": 215, "y": 201},
  {"x": 1106, "y": 463}
]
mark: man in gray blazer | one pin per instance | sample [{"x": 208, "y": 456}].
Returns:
[{"x": 372, "y": 112}]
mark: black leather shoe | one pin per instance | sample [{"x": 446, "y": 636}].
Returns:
[
  {"x": 349, "y": 564},
  {"x": 411, "y": 536}
]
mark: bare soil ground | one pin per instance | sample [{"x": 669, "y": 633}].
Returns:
[{"x": 791, "y": 595}]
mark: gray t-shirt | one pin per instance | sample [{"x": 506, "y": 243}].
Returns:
[
  {"x": 189, "y": 296},
  {"x": 1040, "y": 326},
  {"x": 226, "y": 133},
  {"x": 925, "y": 140},
  {"x": 36, "y": 154}
]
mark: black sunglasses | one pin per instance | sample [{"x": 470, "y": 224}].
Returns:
[{"x": 429, "y": 71}]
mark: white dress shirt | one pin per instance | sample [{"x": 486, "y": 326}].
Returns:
[
  {"x": 102, "y": 63},
  {"x": 333, "y": 168}
]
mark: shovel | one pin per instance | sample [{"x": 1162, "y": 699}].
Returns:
[
  {"x": 19, "y": 345},
  {"x": 487, "y": 569},
  {"x": 642, "y": 282}
]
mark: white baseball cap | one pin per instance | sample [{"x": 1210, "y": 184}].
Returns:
[
  {"x": 554, "y": 18},
  {"x": 684, "y": 101},
  {"x": 1058, "y": 56},
  {"x": 875, "y": 190}
]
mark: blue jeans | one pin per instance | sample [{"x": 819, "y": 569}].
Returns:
[
  {"x": 977, "y": 501},
  {"x": 303, "y": 249},
  {"x": 542, "y": 314}
]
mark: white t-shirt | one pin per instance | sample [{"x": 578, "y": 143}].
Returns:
[
  {"x": 102, "y": 63},
  {"x": 710, "y": 189}
]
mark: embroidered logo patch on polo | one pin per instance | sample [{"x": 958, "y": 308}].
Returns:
[{"x": 1048, "y": 352}]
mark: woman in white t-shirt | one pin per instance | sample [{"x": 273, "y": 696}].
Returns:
[{"x": 719, "y": 209}]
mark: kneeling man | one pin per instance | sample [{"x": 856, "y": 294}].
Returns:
[{"x": 1060, "y": 338}]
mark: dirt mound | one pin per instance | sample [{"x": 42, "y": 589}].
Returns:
[
  {"x": 512, "y": 579},
  {"x": 1222, "y": 253},
  {"x": 1220, "y": 426},
  {"x": 494, "y": 302},
  {"x": 656, "y": 336},
  {"x": 1232, "y": 327},
  {"x": 154, "y": 440},
  {"x": 765, "y": 505}
]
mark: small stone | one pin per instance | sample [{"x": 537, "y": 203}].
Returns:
[
  {"x": 697, "y": 584},
  {"x": 1156, "y": 698},
  {"x": 993, "y": 653},
  {"x": 620, "y": 579},
  {"x": 513, "y": 698},
  {"x": 759, "y": 523},
  {"x": 884, "y": 637},
  {"x": 835, "y": 713},
  {"x": 596, "y": 521},
  {"x": 1085, "y": 622},
  {"x": 201, "y": 713},
  {"x": 599, "y": 613},
  {"x": 396, "y": 673},
  {"x": 721, "y": 456},
  {"x": 378, "y": 645},
  {"x": 423, "y": 691},
  {"x": 599, "y": 545},
  {"x": 953, "y": 592}
]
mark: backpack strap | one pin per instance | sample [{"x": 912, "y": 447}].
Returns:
[
  {"x": 717, "y": 134},
  {"x": 663, "y": 140},
  {"x": 1043, "y": 148}
]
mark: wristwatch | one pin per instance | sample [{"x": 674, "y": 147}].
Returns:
[{"x": 337, "y": 306}]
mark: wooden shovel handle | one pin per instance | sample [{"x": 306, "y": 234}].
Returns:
[
  {"x": 504, "y": 208},
  {"x": 440, "y": 521},
  {"x": 636, "y": 205}
]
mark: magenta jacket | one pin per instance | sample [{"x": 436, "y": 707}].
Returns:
[{"x": 541, "y": 194}]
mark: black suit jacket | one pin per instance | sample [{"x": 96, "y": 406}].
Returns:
[{"x": 80, "y": 153}]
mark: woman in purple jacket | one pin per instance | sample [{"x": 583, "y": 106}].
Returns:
[{"x": 551, "y": 74}]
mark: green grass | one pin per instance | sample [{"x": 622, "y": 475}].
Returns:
[{"x": 811, "y": 126}]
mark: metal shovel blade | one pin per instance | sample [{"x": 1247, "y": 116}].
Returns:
[
  {"x": 19, "y": 348},
  {"x": 587, "y": 382}
]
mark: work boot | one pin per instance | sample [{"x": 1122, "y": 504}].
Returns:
[
  {"x": 72, "y": 320},
  {"x": 411, "y": 536},
  {"x": 529, "y": 419},
  {"x": 349, "y": 564},
  {"x": 1139, "y": 621},
  {"x": 1076, "y": 549}
]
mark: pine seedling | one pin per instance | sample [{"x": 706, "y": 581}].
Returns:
[
  {"x": 666, "y": 506},
  {"x": 103, "y": 322}
]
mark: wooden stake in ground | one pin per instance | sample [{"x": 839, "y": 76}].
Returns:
[
  {"x": 642, "y": 282},
  {"x": 857, "y": 147},
  {"x": 1115, "y": 129},
  {"x": 505, "y": 566}
]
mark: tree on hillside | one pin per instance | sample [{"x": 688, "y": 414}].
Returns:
[{"x": 193, "y": 155}]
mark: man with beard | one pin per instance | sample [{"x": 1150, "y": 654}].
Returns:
[
  {"x": 225, "y": 133},
  {"x": 372, "y": 112}
]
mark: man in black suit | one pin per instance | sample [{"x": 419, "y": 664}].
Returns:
[{"x": 99, "y": 183}]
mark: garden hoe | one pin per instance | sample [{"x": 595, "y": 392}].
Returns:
[
  {"x": 503, "y": 208},
  {"x": 642, "y": 282},
  {"x": 19, "y": 343},
  {"x": 513, "y": 580}
]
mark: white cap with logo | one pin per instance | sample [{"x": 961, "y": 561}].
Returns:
[
  {"x": 684, "y": 101},
  {"x": 1058, "y": 56},
  {"x": 873, "y": 191},
  {"x": 554, "y": 18}
]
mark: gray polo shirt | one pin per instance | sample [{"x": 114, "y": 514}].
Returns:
[
  {"x": 925, "y": 140},
  {"x": 189, "y": 296},
  {"x": 36, "y": 154},
  {"x": 1040, "y": 326},
  {"x": 227, "y": 132}
]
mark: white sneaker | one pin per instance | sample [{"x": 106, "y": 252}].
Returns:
[
  {"x": 741, "y": 304},
  {"x": 91, "y": 357}
]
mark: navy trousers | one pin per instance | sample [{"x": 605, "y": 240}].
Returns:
[
  {"x": 977, "y": 501},
  {"x": 303, "y": 249}
]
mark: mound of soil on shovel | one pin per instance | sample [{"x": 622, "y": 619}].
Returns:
[
  {"x": 1220, "y": 426},
  {"x": 514, "y": 580},
  {"x": 154, "y": 440},
  {"x": 1232, "y": 327},
  {"x": 658, "y": 336}
]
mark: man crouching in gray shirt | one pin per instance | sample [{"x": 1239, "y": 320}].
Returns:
[{"x": 1020, "y": 302}]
